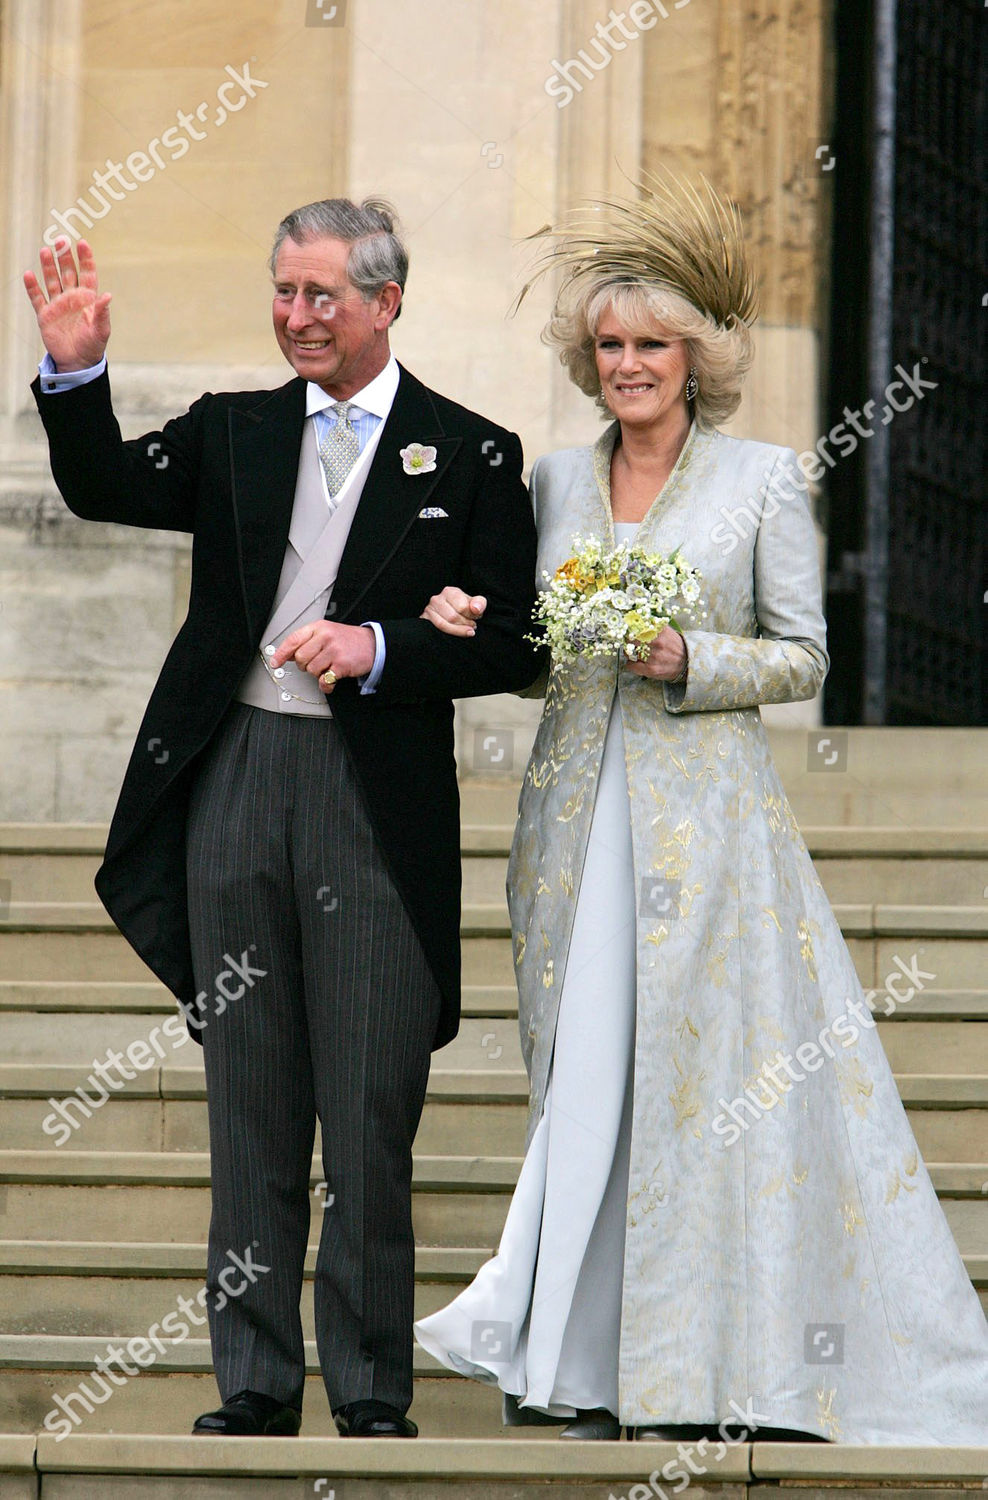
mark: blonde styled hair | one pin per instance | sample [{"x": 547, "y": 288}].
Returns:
[{"x": 721, "y": 354}]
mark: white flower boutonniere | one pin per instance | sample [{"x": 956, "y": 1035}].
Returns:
[{"x": 415, "y": 459}]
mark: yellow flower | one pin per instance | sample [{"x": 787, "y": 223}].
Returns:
[{"x": 572, "y": 572}]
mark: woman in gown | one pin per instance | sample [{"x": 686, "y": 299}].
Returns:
[{"x": 722, "y": 1210}]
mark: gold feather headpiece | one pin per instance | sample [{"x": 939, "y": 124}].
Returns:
[{"x": 675, "y": 235}]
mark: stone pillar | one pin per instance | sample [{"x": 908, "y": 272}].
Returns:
[
  {"x": 39, "y": 60},
  {"x": 88, "y": 612},
  {"x": 450, "y": 118},
  {"x": 600, "y": 153}
]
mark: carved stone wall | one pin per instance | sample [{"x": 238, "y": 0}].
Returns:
[{"x": 742, "y": 94}]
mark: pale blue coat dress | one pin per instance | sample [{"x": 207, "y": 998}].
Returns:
[{"x": 686, "y": 1240}]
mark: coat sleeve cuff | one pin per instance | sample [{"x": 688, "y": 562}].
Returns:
[{"x": 732, "y": 671}]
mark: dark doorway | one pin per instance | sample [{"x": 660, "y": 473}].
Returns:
[{"x": 906, "y": 510}]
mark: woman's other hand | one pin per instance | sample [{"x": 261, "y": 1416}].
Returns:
[
  {"x": 667, "y": 658},
  {"x": 454, "y": 612}
]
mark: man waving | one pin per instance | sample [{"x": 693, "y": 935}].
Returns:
[{"x": 303, "y": 826}]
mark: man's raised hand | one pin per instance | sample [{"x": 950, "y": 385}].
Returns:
[{"x": 73, "y": 315}]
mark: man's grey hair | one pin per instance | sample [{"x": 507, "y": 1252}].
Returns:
[{"x": 377, "y": 252}]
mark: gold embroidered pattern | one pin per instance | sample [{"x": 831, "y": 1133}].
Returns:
[
  {"x": 685, "y": 1098},
  {"x": 827, "y": 1416}
]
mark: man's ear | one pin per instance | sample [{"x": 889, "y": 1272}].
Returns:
[{"x": 389, "y": 302}]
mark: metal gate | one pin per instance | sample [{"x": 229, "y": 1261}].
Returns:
[{"x": 906, "y": 535}]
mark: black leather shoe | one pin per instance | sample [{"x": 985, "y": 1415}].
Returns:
[
  {"x": 373, "y": 1419},
  {"x": 598, "y": 1425},
  {"x": 514, "y": 1415},
  {"x": 680, "y": 1433},
  {"x": 784, "y": 1435},
  {"x": 687, "y": 1434},
  {"x": 249, "y": 1414}
]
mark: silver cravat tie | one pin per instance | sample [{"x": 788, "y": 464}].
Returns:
[{"x": 340, "y": 450}]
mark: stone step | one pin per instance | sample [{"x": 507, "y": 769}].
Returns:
[
  {"x": 161, "y": 1196},
  {"x": 489, "y": 920},
  {"x": 32, "y": 918},
  {"x": 58, "y": 1287},
  {"x": 164, "y": 1197},
  {"x": 115, "y": 1260},
  {"x": 148, "y": 1122},
  {"x": 448, "y": 1126},
  {"x": 147, "y": 997},
  {"x": 94, "y": 997},
  {"x": 947, "y": 866},
  {"x": 485, "y": 1043},
  {"x": 487, "y": 804},
  {"x": 82, "y": 1288},
  {"x": 141, "y": 1467},
  {"x": 947, "y": 881},
  {"x": 467, "y": 1086},
  {"x": 166, "y": 1397},
  {"x": 35, "y": 1369},
  {"x": 77, "y": 943},
  {"x": 479, "y": 1111},
  {"x": 100, "y": 956}
]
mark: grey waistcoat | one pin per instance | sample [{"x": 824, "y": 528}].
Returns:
[{"x": 316, "y": 540}]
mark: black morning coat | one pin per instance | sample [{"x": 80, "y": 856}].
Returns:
[{"x": 230, "y": 481}]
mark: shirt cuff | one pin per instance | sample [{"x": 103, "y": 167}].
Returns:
[
  {"x": 66, "y": 380},
  {"x": 369, "y": 683}
]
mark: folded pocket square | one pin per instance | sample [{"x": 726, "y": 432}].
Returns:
[{"x": 433, "y": 513}]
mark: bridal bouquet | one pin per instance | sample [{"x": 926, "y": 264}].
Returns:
[{"x": 598, "y": 603}]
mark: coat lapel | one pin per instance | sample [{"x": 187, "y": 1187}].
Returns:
[
  {"x": 391, "y": 499},
  {"x": 265, "y": 443}
]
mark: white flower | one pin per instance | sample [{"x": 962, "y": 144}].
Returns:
[{"x": 416, "y": 459}]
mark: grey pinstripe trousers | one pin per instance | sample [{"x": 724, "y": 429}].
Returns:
[{"x": 284, "y": 872}]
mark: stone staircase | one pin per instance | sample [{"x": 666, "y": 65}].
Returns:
[{"x": 104, "y": 1204}]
